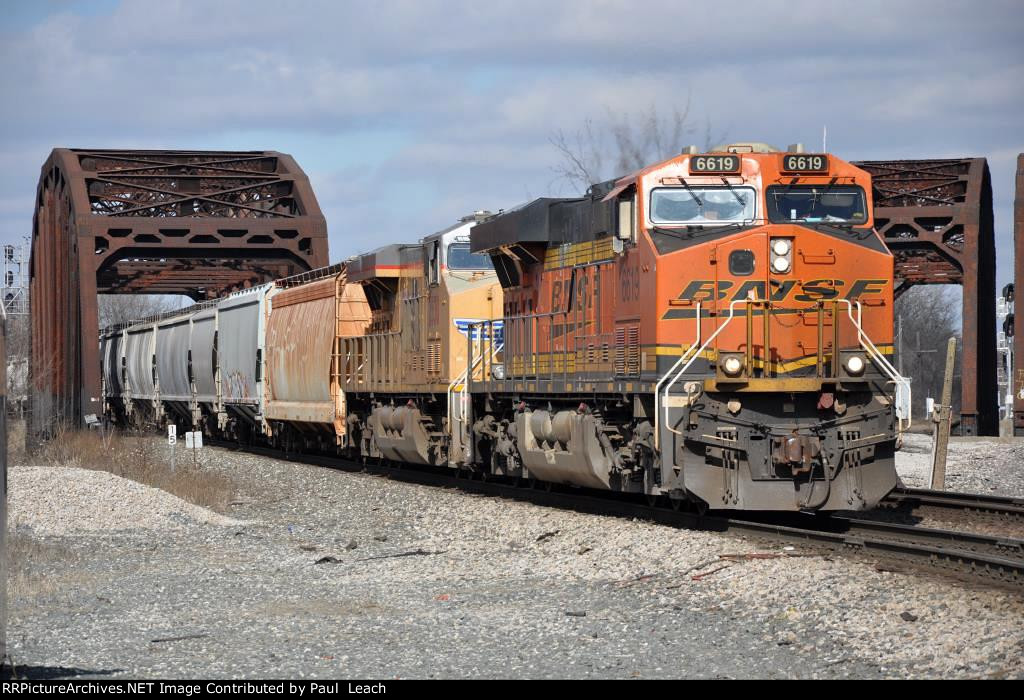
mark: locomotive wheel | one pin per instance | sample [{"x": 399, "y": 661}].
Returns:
[
  {"x": 652, "y": 499},
  {"x": 677, "y": 504}
]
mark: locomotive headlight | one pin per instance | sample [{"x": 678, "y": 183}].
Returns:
[
  {"x": 855, "y": 365},
  {"x": 498, "y": 371},
  {"x": 782, "y": 255},
  {"x": 732, "y": 365}
]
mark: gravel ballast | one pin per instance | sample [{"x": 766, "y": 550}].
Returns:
[
  {"x": 323, "y": 573},
  {"x": 70, "y": 500}
]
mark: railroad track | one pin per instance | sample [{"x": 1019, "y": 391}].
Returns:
[
  {"x": 961, "y": 555},
  {"x": 908, "y": 499}
]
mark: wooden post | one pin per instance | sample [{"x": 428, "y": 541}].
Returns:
[{"x": 942, "y": 420}]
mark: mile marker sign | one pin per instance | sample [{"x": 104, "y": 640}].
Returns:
[{"x": 172, "y": 435}]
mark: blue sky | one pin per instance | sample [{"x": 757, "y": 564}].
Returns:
[{"x": 409, "y": 114}]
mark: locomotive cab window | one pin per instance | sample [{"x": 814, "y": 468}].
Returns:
[
  {"x": 817, "y": 203},
  {"x": 460, "y": 258},
  {"x": 702, "y": 205},
  {"x": 741, "y": 263}
]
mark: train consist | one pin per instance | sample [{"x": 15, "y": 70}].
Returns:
[{"x": 714, "y": 329}]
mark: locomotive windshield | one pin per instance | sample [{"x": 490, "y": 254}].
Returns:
[
  {"x": 814, "y": 203},
  {"x": 702, "y": 205},
  {"x": 459, "y": 258}
]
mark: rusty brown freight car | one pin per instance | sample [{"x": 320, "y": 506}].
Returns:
[{"x": 309, "y": 314}]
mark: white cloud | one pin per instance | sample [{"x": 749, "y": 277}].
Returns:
[{"x": 476, "y": 89}]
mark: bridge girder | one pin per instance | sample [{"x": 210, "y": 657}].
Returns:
[
  {"x": 197, "y": 223},
  {"x": 936, "y": 217}
]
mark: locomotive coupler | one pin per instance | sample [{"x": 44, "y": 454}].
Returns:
[{"x": 796, "y": 451}]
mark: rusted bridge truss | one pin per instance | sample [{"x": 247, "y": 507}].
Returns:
[
  {"x": 196, "y": 223},
  {"x": 936, "y": 217}
]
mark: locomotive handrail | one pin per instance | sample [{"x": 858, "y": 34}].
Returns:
[
  {"x": 902, "y": 398},
  {"x": 657, "y": 388},
  {"x": 903, "y": 395},
  {"x": 570, "y": 308},
  {"x": 465, "y": 377},
  {"x": 693, "y": 356}
]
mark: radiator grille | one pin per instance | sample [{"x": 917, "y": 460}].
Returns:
[
  {"x": 433, "y": 358},
  {"x": 627, "y": 350}
]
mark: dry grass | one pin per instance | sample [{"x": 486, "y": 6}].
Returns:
[
  {"x": 140, "y": 459},
  {"x": 27, "y": 573},
  {"x": 16, "y": 442}
]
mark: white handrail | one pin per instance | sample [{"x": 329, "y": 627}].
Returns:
[
  {"x": 657, "y": 388},
  {"x": 902, "y": 398},
  {"x": 694, "y": 356},
  {"x": 462, "y": 379}
]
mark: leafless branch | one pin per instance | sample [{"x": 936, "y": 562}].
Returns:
[
  {"x": 625, "y": 141},
  {"x": 581, "y": 156},
  {"x": 927, "y": 317},
  {"x": 121, "y": 308}
]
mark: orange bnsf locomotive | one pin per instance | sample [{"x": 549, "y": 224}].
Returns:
[{"x": 713, "y": 328}]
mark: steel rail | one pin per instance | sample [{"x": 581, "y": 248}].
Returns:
[
  {"x": 968, "y": 541},
  {"x": 982, "y": 503}
]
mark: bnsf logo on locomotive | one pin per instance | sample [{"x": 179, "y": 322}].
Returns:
[{"x": 805, "y": 292}]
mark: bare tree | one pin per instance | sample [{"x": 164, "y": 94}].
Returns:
[
  {"x": 622, "y": 143},
  {"x": 122, "y": 308},
  {"x": 649, "y": 137},
  {"x": 582, "y": 155},
  {"x": 926, "y": 318}
]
